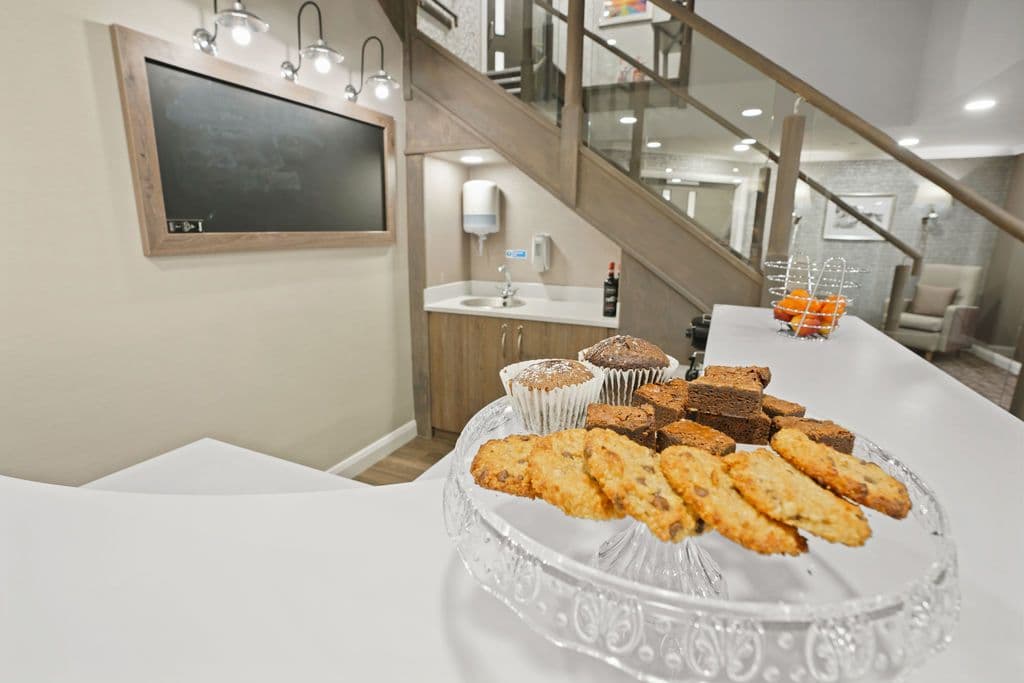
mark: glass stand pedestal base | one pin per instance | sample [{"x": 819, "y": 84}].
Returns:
[{"x": 635, "y": 554}]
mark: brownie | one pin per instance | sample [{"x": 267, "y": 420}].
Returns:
[
  {"x": 753, "y": 429},
  {"x": 668, "y": 405},
  {"x": 775, "y": 406},
  {"x": 822, "y": 431},
  {"x": 634, "y": 422},
  {"x": 679, "y": 387},
  {"x": 758, "y": 372},
  {"x": 622, "y": 352},
  {"x": 552, "y": 374},
  {"x": 690, "y": 433},
  {"x": 737, "y": 395}
]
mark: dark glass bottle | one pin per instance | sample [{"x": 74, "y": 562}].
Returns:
[{"x": 611, "y": 293}]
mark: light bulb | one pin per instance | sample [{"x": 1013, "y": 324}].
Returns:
[
  {"x": 322, "y": 64},
  {"x": 382, "y": 91},
  {"x": 241, "y": 35}
]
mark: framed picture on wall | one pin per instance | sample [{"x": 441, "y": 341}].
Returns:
[
  {"x": 625, "y": 11},
  {"x": 840, "y": 225}
]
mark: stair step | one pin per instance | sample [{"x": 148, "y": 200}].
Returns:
[{"x": 505, "y": 73}]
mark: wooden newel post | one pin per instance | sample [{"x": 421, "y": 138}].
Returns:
[
  {"x": 785, "y": 186},
  {"x": 899, "y": 285},
  {"x": 572, "y": 110}
]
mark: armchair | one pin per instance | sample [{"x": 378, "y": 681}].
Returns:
[{"x": 953, "y": 330}]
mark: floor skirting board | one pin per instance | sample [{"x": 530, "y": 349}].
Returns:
[
  {"x": 375, "y": 452},
  {"x": 996, "y": 359}
]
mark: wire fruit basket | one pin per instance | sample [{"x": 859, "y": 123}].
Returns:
[{"x": 808, "y": 299}]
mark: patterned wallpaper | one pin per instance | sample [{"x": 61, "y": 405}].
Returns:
[
  {"x": 962, "y": 237},
  {"x": 466, "y": 39}
]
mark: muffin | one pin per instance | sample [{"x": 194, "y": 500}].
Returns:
[
  {"x": 623, "y": 352},
  {"x": 552, "y": 374},
  {"x": 628, "y": 363},
  {"x": 552, "y": 394}
]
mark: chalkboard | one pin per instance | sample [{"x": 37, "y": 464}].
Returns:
[{"x": 233, "y": 159}]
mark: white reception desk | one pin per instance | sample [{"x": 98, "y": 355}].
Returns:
[{"x": 363, "y": 584}]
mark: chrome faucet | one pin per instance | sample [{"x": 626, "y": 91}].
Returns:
[{"x": 507, "y": 290}]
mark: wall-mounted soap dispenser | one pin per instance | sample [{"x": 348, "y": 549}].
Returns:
[
  {"x": 541, "y": 252},
  {"x": 481, "y": 209}
]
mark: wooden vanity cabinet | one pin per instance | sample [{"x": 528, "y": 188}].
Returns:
[{"x": 468, "y": 351}]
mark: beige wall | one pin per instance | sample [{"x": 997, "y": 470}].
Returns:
[
  {"x": 447, "y": 245},
  {"x": 1002, "y": 310},
  {"x": 107, "y": 357},
  {"x": 580, "y": 254}
]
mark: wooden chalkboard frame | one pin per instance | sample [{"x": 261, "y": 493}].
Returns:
[{"x": 131, "y": 50}]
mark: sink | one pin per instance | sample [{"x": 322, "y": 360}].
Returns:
[{"x": 491, "y": 302}]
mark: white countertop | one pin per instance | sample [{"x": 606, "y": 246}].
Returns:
[
  {"x": 364, "y": 585},
  {"x": 545, "y": 303},
  {"x": 970, "y": 451}
]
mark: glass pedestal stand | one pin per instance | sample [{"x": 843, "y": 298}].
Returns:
[{"x": 636, "y": 554}]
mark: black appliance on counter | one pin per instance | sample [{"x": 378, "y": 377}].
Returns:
[{"x": 697, "y": 333}]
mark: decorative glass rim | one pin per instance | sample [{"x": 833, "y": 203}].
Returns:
[{"x": 764, "y": 611}]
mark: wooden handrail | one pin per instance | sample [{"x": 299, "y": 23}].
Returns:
[
  {"x": 683, "y": 94},
  {"x": 997, "y": 215}
]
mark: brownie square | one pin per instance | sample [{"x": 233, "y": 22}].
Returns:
[
  {"x": 822, "y": 431},
  {"x": 758, "y": 372},
  {"x": 690, "y": 433},
  {"x": 775, "y": 407},
  {"x": 668, "y": 406},
  {"x": 737, "y": 395},
  {"x": 751, "y": 429},
  {"x": 679, "y": 387},
  {"x": 634, "y": 422}
]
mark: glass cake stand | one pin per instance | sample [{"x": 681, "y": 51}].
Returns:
[{"x": 706, "y": 609}]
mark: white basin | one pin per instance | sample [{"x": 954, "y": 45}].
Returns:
[{"x": 491, "y": 302}]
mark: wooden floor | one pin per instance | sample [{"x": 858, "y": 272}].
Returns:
[{"x": 409, "y": 461}]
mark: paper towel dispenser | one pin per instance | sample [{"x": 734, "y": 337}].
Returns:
[{"x": 481, "y": 209}]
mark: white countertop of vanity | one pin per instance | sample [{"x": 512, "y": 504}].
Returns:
[{"x": 545, "y": 303}]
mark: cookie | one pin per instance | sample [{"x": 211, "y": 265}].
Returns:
[
  {"x": 862, "y": 482},
  {"x": 785, "y": 494},
  {"x": 700, "y": 478},
  {"x": 557, "y": 474},
  {"x": 629, "y": 475},
  {"x": 500, "y": 464}
]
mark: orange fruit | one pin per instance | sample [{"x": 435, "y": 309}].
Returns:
[
  {"x": 781, "y": 313},
  {"x": 805, "y": 325}
]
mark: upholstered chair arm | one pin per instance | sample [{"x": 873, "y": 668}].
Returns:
[{"x": 958, "y": 327}]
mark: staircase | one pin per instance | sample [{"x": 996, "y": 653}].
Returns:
[
  {"x": 591, "y": 134},
  {"x": 510, "y": 80}
]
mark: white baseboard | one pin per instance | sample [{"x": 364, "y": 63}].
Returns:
[
  {"x": 996, "y": 359},
  {"x": 370, "y": 455}
]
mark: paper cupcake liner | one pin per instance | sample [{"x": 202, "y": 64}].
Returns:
[
  {"x": 549, "y": 411},
  {"x": 619, "y": 385}
]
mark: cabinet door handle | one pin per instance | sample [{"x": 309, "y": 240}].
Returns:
[
  {"x": 519, "y": 343},
  {"x": 504, "y": 333}
]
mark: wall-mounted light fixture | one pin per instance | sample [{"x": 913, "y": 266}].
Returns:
[
  {"x": 238, "y": 21},
  {"x": 381, "y": 82},
  {"x": 934, "y": 201},
  {"x": 320, "y": 53}
]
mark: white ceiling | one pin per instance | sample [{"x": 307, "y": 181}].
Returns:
[{"x": 907, "y": 66}]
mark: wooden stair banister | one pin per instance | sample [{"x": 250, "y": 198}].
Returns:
[{"x": 997, "y": 215}]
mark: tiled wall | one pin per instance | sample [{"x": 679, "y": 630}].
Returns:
[{"x": 962, "y": 237}]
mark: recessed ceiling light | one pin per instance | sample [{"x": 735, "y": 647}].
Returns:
[
  {"x": 668, "y": 170},
  {"x": 471, "y": 159},
  {"x": 980, "y": 105},
  {"x": 751, "y": 113},
  {"x": 628, "y": 120},
  {"x": 735, "y": 170},
  {"x": 611, "y": 41},
  {"x": 907, "y": 142},
  {"x": 675, "y": 181},
  {"x": 654, "y": 144},
  {"x": 748, "y": 141},
  {"x": 740, "y": 147}
]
